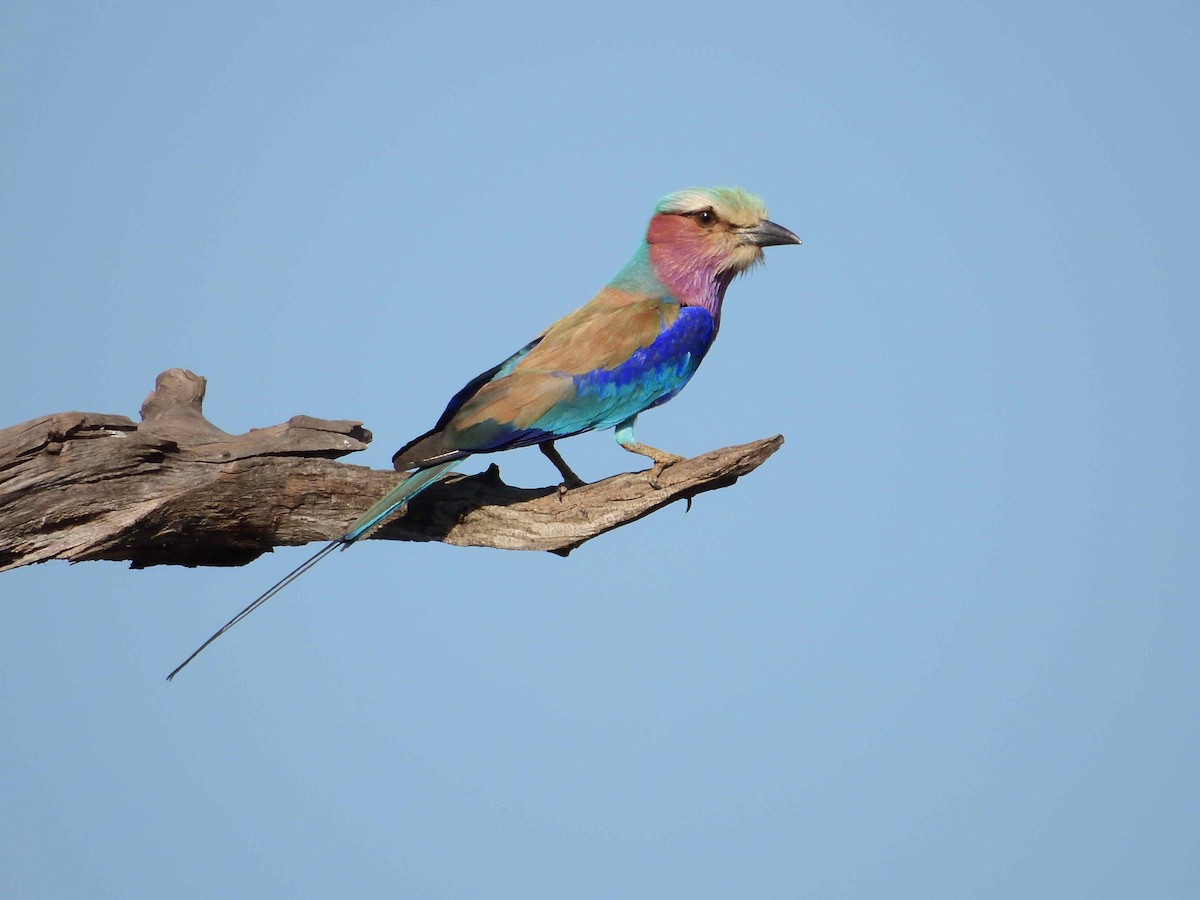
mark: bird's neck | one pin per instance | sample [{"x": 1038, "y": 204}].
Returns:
[{"x": 677, "y": 272}]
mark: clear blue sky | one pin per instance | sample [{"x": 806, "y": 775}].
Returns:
[{"x": 942, "y": 645}]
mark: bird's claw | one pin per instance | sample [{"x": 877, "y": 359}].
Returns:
[
  {"x": 659, "y": 467},
  {"x": 569, "y": 484}
]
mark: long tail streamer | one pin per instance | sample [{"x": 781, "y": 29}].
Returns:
[{"x": 363, "y": 525}]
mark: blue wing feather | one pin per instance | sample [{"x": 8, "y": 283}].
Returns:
[
  {"x": 471, "y": 387},
  {"x": 650, "y": 377},
  {"x": 594, "y": 400},
  {"x": 429, "y": 448}
]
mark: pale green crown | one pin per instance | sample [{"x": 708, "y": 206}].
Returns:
[{"x": 732, "y": 204}]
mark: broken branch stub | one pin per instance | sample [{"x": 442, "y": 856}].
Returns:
[{"x": 176, "y": 490}]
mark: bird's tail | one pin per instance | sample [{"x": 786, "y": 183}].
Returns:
[
  {"x": 395, "y": 498},
  {"x": 363, "y": 525}
]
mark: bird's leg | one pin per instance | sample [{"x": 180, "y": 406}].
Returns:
[
  {"x": 661, "y": 458},
  {"x": 570, "y": 479}
]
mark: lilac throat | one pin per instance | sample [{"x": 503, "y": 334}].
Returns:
[{"x": 693, "y": 281}]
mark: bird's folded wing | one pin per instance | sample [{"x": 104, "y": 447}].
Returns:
[{"x": 589, "y": 370}]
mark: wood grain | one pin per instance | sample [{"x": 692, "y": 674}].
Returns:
[{"x": 174, "y": 489}]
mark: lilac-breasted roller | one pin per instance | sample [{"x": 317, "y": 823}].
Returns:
[{"x": 630, "y": 348}]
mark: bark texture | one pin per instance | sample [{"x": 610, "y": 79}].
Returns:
[{"x": 176, "y": 490}]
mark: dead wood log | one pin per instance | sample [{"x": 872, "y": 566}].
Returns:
[{"x": 176, "y": 490}]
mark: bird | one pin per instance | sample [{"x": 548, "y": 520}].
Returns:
[{"x": 632, "y": 347}]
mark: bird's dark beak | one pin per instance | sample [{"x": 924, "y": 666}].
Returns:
[{"x": 768, "y": 234}]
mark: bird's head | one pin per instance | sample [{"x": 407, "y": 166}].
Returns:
[{"x": 700, "y": 238}]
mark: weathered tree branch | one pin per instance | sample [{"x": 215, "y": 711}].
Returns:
[{"x": 176, "y": 490}]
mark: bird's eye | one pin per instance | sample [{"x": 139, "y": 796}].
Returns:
[{"x": 706, "y": 217}]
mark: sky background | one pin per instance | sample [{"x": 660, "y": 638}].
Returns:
[{"x": 943, "y": 644}]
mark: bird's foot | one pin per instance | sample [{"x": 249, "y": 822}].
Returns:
[
  {"x": 662, "y": 462},
  {"x": 662, "y": 459},
  {"x": 570, "y": 479},
  {"x": 569, "y": 484}
]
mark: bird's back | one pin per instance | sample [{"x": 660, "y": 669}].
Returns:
[{"x": 619, "y": 354}]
